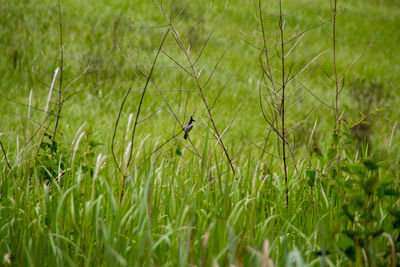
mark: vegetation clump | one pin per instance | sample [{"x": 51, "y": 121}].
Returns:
[{"x": 292, "y": 157}]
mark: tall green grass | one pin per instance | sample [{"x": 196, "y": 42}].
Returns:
[{"x": 63, "y": 207}]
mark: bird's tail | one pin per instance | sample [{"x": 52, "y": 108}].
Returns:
[{"x": 186, "y": 135}]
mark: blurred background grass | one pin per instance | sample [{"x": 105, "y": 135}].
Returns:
[
  {"x": 101, "y": 36},
  {"x": 93, "y": 31}
]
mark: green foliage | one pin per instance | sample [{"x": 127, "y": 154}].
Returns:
[
  {"x": 51, "y": 159},
  {"x": 61, "y": 204},
  {"x": 368, "y": 203}
]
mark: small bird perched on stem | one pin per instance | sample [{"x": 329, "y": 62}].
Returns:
[{"x": 188, "y": 127}]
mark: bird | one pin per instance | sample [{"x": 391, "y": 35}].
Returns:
[{"x": 188, "y": 127}]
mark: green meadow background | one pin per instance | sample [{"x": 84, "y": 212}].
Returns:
[{"x": 63, "y": 206}]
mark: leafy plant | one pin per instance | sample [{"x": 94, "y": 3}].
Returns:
[{"x": 369, "y": 201}]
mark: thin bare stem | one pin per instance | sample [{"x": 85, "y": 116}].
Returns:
[
  {"x": 60, "y": 103},
  {"x": 284, "y": 135},
  {"x": 315, "y": 96},
  {"x": 219, "y": 93},
  {"x": 337, "y": 123},
  {"x": 263, "y": 150},
  {"x": 269, "y": 75},
  {"x": 163, "y": 97},
  {"x": 306, "y": 66},
  {"x": 141, "y": 99},
  {"x": 25, "y": 105},
  {"x": 138, "y": 112},
  {"x": 5, "y": 155},
  {"x": 115, "y": 129},
  {"x": 196, "y": 78}
]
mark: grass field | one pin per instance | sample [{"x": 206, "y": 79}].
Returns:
[{"x": 331, "y": 198}]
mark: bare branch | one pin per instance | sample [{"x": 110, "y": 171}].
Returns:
[
  {"x": 315, "y": 96},
  {"x": 141, "y": 99},
  {"x": 5, "y": 156},
  {"x": 196, "y": 77},
  {"x": 25, "y": 105},
  {"x": 295, "y": 44},
  {"x": 61, "y": 76},
  {"x": 115, "y": 129},
  {"x": 262, "y": 149},
  {"x": 337, "y": 121},
  {"x": 306, "y": 66},
  {"x": 219, "y": 93}
]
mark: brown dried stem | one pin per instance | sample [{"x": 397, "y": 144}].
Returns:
[{"x": 196, "y": 75}]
